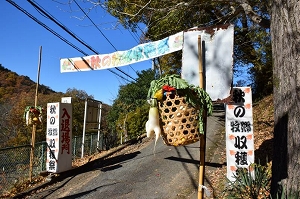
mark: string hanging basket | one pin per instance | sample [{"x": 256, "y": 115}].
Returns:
[
  {"x": 179, "y": 121},
  {"x": 181, "y": 108}
]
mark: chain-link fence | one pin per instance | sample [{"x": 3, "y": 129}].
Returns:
[{"x": 15, "y": 161}]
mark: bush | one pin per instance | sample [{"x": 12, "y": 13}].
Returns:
[{"x": 251, "y": 183}]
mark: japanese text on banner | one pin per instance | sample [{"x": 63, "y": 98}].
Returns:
[{"x": 239, "y": 131}]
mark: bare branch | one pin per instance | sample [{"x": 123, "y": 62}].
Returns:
[
  {"x": 141, "y": 9},
  {"x": 265, "y": 23}
]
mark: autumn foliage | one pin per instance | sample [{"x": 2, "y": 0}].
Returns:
[{"x": 18, "y": 92}]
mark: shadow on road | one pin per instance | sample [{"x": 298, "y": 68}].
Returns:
[
  {"x": 104, "y": 164},
  {"x": 196, "y": 162},
  {"x": 110, "y": 168},
  {"x": 100, "y": 163},
  {"x": 78, "y": 195}
]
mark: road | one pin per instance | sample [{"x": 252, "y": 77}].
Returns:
[{"x": 135, "y": 172}]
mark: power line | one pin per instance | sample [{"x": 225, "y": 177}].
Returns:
[
  {"x": 54, "y": 33},
  {"x": 41, "y": 9},
  {"x": 133, "y": 34},
  {"x": 49, "y": 16},
  {"x": 100, "y": 32}
]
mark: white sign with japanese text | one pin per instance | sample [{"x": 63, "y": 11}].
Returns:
[
  {"x": 59, "y": 137},
  {"x": 239, "y": 132}
]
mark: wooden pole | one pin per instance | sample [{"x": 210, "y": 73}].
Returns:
[
  {"x": 204, "y": 116},
  {"x": 34, "y": 125}
]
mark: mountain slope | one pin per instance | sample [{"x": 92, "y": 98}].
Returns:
[{"x": 12, "y": 85}]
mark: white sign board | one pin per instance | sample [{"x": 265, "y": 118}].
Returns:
[
  {"x": 239, "y": 131},
  {"x": 59, "y": 137},
  {"x": 66, "y": 100},
  {"x": 218, "y": 60}
]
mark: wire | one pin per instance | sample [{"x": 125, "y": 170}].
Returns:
[
  {"x": 59, "y": 24},
  {"x": 133, "y": 34},
  {"x": 54, "y": 33},
  {"x": 41, "y": 9},
  {"x": 102, "y": 35}
]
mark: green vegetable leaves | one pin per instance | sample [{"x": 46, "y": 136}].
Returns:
[{"x": 171, "y": 80}]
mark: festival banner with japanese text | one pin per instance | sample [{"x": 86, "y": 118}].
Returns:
[
  {"x": 59, "y": 137},
  {"x": 239, "y": 132},
  {"x": 136, "y": 54}
]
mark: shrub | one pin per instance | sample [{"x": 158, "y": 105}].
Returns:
[{"x": 251, "y": 183}]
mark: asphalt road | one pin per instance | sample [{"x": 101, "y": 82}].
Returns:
[{"x": 137, "y": 173}]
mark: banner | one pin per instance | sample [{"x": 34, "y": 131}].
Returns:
[
  {"x": 239, "y": 132},
  {"x": 139, "y": 53}
]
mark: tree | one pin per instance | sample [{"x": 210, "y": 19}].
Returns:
[
  {"x": 78, "y": 105},
  {"x": 130, "y": 109},
  {"x": 285, "y": 33},
  {"x": 164, "y": 18}
]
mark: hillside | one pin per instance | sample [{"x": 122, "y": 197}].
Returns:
[{"x": 12, "y": 85}]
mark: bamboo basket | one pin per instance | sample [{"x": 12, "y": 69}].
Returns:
[{"x": 179, "y": 121}]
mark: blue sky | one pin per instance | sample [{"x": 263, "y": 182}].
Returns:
[{"x": 21, "y": 38}]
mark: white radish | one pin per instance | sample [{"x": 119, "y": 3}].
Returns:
[{"x": 152, "y": 125}]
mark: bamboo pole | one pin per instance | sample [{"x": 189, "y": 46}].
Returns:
[
  {"x": 204, "y": 116},
  {"x": 34, "y": 125}
]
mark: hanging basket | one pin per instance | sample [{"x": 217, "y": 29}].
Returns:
[
  {"x": 33, "y": 115},
  {"x": 179, "y": 121}
]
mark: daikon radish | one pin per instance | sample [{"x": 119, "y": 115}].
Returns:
[{"x": 152, "y": 125}]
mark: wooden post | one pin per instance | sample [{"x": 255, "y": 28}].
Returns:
[
  {"x": 34, "y": 125},
  {"x": 204, "y": 116}
]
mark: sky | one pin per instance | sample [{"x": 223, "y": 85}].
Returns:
[{"x": 21, "y": 39}]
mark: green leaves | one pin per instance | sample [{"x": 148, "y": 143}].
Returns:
[
  {"x": 253, "y": 185},
  {"x": 131, "y": 101},
  {"x": 171, "y": 80},
  {"x": 163, "y": 18}
]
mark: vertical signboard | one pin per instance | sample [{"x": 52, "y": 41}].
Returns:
[
  {"x": 239, "y": 131},
  {"x": 92, "y": 115},
  {"x": 218, "y": 59},
  {"x": 59, "y": 137}
]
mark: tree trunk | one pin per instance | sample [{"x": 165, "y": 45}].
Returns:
[{"x": 285, "y": 33}]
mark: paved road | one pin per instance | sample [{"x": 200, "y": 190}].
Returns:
[{"x": 137, "y": 173}]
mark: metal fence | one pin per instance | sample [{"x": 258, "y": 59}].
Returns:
[
  {"x": 90, "y": 144},
  {"x": 15, "y": 161}
]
